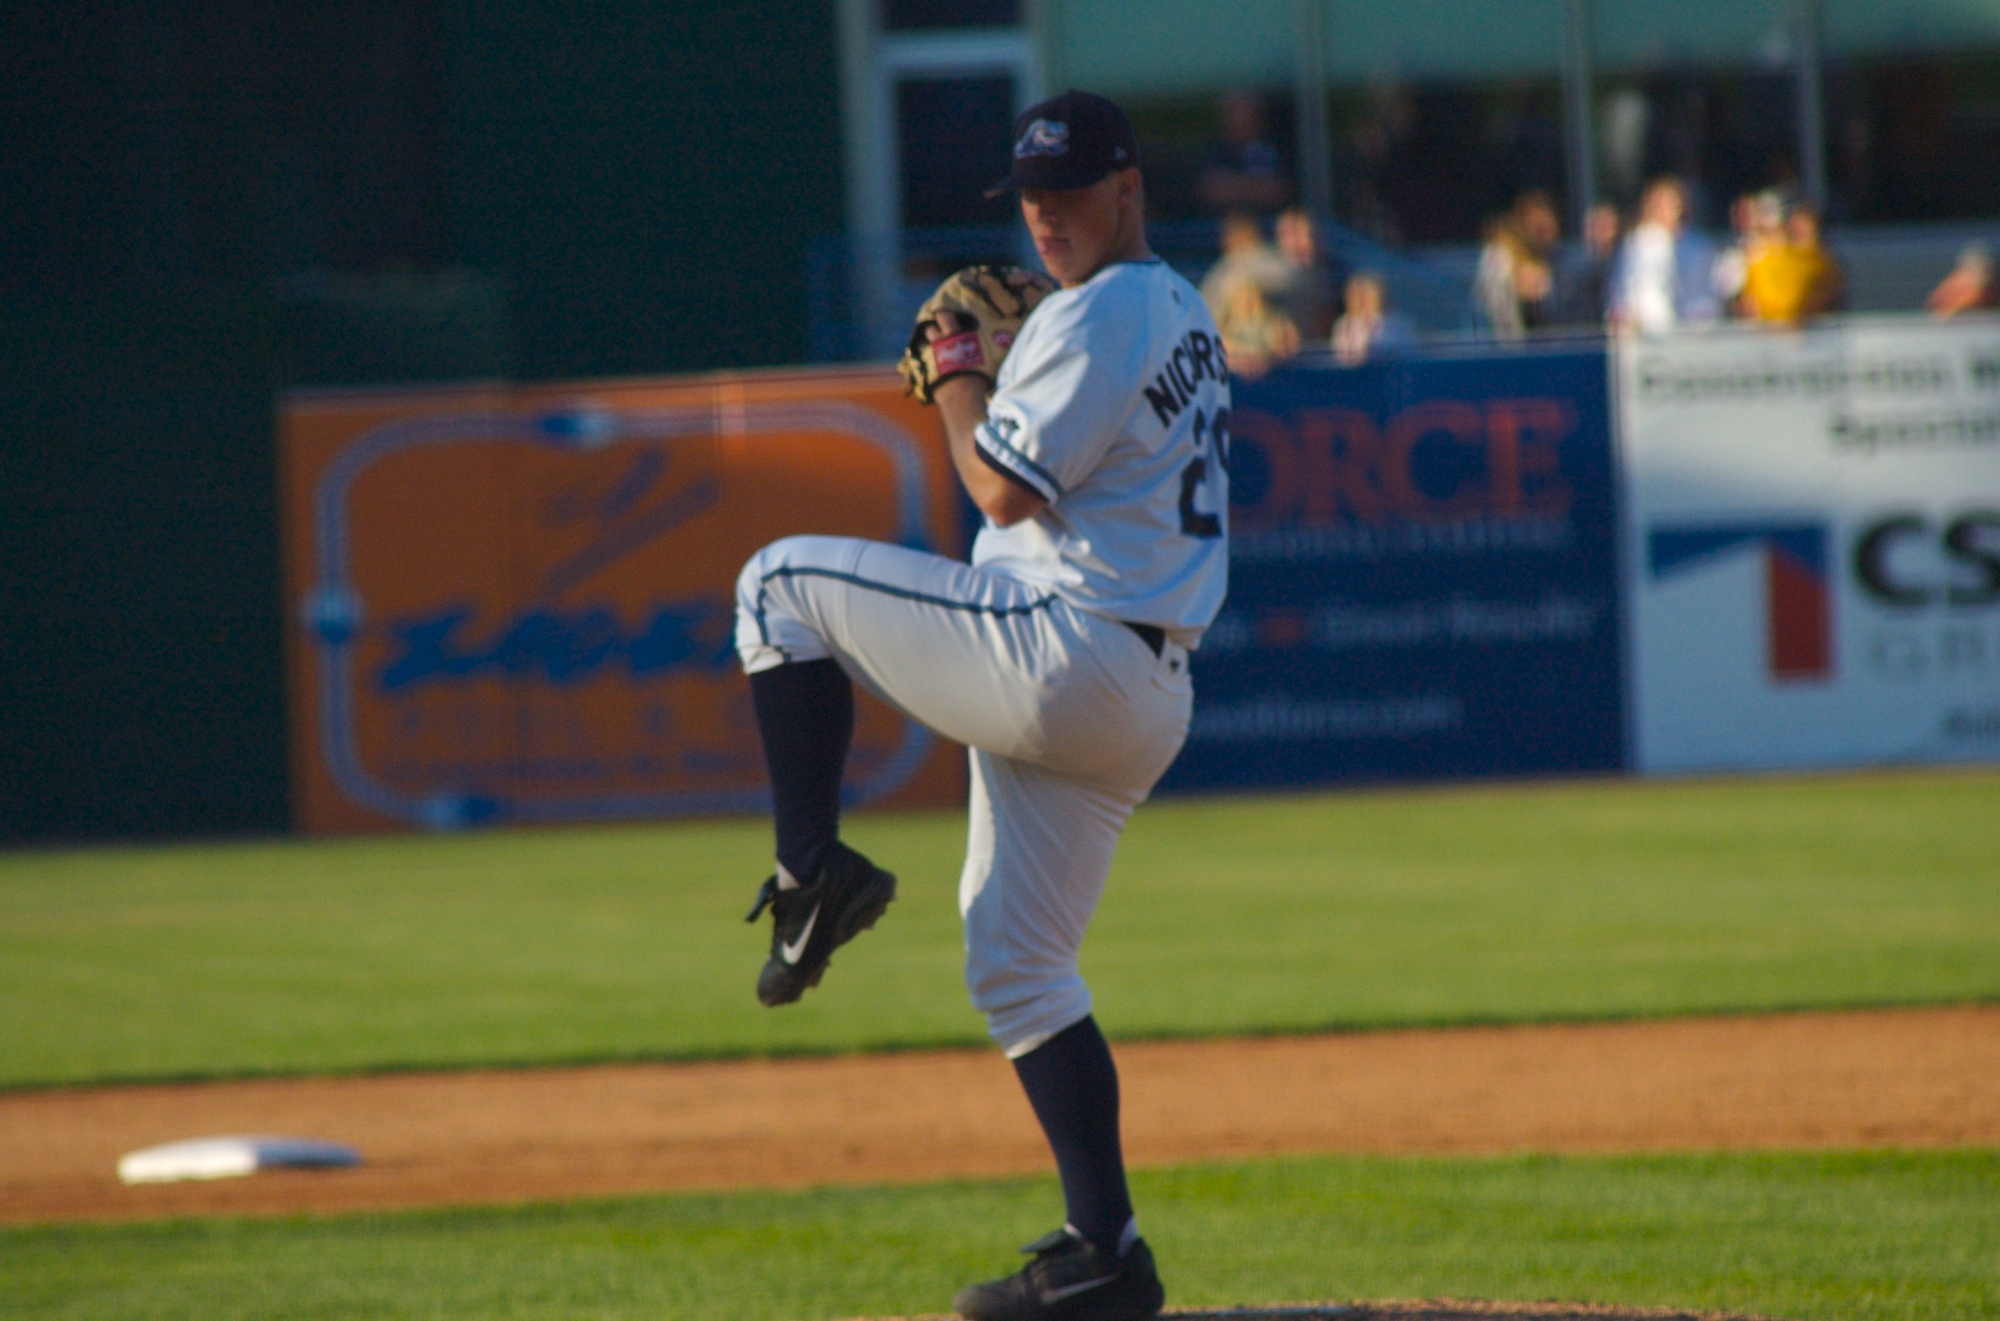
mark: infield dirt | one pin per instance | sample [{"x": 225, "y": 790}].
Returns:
[{"x": 1884, "y": 1078}]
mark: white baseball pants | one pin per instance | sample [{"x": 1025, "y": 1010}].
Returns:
[{"x": 1070, "y": 717}]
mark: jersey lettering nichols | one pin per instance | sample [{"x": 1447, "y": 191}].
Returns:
[{"x": 1197, "y": 358}]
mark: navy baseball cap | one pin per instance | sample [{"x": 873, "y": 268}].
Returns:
[{"x": 1069, "y": 141}]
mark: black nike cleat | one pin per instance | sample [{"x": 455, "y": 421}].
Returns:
[
  {"x": 811, "y": 922},
  {"x": 1070, "y": 1279}
]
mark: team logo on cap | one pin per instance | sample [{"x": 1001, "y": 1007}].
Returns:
[{"x": 1045, "y": 137}]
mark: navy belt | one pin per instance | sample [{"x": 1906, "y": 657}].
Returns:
[{"x": 1152, "y": 635}]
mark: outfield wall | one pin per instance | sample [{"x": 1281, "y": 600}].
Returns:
[
  {"x": 1739, "y": 550},
  {"x": 1423, "y": 576},
  {"x": 1796, "y": 534},
  {"x": 1812, "y": 545},
  {"x": 515, "y": 604}
]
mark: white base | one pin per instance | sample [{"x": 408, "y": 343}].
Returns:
[{"x": 229, "y": 1157}]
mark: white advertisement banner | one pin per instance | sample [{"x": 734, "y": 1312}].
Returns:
[{"x": 1812, "y": 544}]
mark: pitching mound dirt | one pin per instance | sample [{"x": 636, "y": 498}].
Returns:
[
  {"x": 1449, "y": 1309},
  {"x": 1915, "y": 1078},
  {"x": 1437, "y": 1309}
]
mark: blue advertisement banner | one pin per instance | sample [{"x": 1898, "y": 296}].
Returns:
[{"x": 1423, "y": 576}]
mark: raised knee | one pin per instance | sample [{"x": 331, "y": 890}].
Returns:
[
  {"x": 747, "y": 578},
  {"x": 785, "y": 552},
  {"x": 759, "y": 568}
]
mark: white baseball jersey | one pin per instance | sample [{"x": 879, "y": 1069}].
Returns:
[{"x": 1113, "y": 406}]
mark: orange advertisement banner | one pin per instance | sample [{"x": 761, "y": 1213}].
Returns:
[{"x": 515, "y": 604}]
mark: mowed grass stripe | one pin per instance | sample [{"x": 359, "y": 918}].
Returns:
[
  {"x": 1860, "y": 1236},
  {"x": 1233, "y": 915}
]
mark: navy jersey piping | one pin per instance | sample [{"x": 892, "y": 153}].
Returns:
[
  {"x": 1002, "y": 451},
  {"x": 810, "y": 571},
  {"x": 1012, "y": 476}
]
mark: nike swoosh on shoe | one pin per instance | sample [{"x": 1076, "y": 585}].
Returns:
[
  {"x": 792, "y": 953},
  {"x": 1049, "y": 1296}
]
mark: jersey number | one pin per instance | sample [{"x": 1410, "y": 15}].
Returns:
[{"x": 1194, "y": 477}]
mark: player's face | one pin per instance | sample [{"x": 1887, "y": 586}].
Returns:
[{"x": 1078, "y": 230}]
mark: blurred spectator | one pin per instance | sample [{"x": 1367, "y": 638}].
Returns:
[
  {"x": 1791, "y": 277},
  {"x": 1663, "y": 278},
  {"x": 1584, "y": 282},
  {"x": 1256, "y": 336},
  {"x": 1515, "y": 284},
  {"x": 1244, "y": 170},
  {"x": 1309, "y": 296},
  {"x": 1368, "y": 329},
  {"x": 1973, "y": 284},
  {"x": 1755, "y": 219},
  {"x": 1245, "y": 256}
]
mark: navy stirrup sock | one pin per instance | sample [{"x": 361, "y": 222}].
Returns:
[
  {"x": 1073, "y": 1086},
  {"x": 805, "y": 715}
]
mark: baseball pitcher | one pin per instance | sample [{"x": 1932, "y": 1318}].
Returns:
[{"x": 1088, "y": 418}]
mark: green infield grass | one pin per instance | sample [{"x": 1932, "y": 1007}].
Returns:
[
  {"x": 1426, "y": 906},
  {"x": 1907, "y": 1236}
]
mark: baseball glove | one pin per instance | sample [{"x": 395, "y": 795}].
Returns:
[{"x": 969, "y": 324}]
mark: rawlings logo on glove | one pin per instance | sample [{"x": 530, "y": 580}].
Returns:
[
  {"x": 967, "y": 326},
  {"x": 959, "y": 353}
]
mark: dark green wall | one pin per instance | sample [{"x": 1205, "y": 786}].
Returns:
[
  {"x": 139, "y": 645},
  {"x": 645, "y": 177},
  {"x": 578, "y": 189}
]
